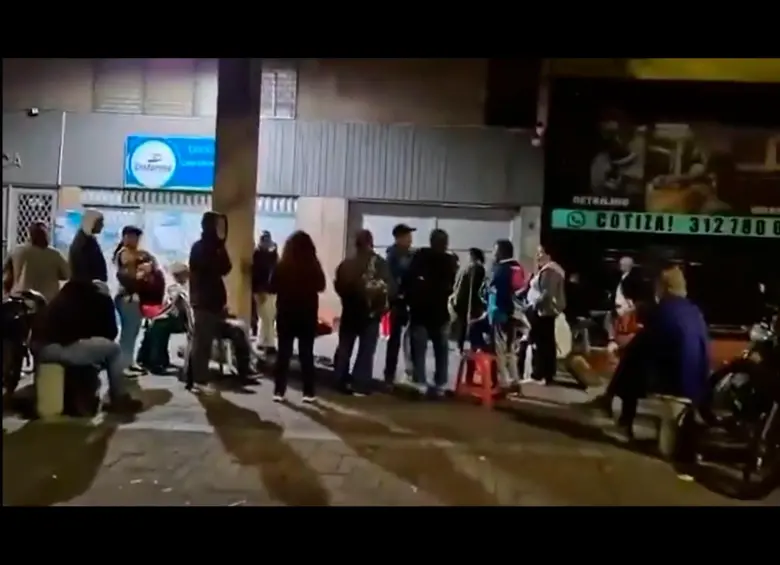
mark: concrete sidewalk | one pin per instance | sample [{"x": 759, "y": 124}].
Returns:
[{"x": 239, "y": 448}]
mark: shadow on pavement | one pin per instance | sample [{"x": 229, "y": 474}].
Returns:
[
  {"x": 427, "y": 467},
  {"x": 575, "y": 426},
  {"x": 258, "y": 443},
  {"x": 48, "y": 463}
]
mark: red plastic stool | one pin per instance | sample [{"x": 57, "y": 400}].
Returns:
[{"x": 477, "y": 377}]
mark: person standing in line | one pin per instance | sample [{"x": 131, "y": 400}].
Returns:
[
  {"x": 546, "y": 298},
  {"x": 507, "y": 280},
  {"x": 85, "y": 257},
  {"x": 209, "y": 263},
  {"x": 466, "y": 298},
  {"x": 134, "y": 267},
  {"x": 264, "y": 261},
  {"x": 365, "y": 286},
  {"x": 428, "y": 286},
  {"x": 297, "y": 281},
  {"x": 36, "y": 265},
  {"x": 399, "y": 257}
]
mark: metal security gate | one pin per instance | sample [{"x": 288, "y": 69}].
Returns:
[{"x": 26, "y": 206}]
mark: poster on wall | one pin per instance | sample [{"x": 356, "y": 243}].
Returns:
[
  {"x": 66, "y": 226},
  {"x": 690, "y": 179},
  {"x": 171, "y": 163}
]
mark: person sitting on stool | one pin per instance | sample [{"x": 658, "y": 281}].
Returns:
[{"x": 78, "y": 328}]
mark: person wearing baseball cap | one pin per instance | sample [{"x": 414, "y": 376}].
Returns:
[{"x": 399, "y": 256}]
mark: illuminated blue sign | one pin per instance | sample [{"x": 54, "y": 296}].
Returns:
[{"x": 172, "y": 163}]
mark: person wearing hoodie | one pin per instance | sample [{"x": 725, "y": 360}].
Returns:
[
  {"x": 507, "y": 280},
  {"x": 36, "y": 265},
  {"x": 399, "y": 257},
  {"x": 428, "y": 285},
  {"x": 365, "y": 286},
  {"x": 79, "y": 328},
  {"x": 85, "y": 257},
  {"x": 546, "y": 298},
  {"x": 209, "y": 263},
  {"x": 264, "y": 261}
]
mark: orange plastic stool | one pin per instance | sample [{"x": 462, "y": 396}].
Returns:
[{"x": 480, "y": 385}]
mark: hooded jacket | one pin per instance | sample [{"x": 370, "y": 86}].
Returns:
[
  {"x": 209, "y": 262},
  {"x": 81, "y": 310},
  {"x": 85, "y": 258}
]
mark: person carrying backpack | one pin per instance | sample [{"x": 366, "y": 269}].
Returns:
[
  {"x": 365, "y": 286},
  {"x": 504, "y": 311}
]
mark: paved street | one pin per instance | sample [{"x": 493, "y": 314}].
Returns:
[{"x": 238, "y": 448}]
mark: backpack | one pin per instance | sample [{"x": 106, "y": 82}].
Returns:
[{"x": 375, "y": 290}]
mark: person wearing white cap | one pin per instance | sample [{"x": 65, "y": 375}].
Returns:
[{"x": 85, "y": 258}]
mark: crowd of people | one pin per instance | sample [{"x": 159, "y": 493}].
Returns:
[{"x": 502, "y": 308}]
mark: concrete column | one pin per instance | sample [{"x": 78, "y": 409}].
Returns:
[
  {"x": 235, "y": 184},
  {"x": 325, "y": 220}
]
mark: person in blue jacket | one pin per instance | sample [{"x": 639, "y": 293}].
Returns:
[{"x": 507, "y": 280}]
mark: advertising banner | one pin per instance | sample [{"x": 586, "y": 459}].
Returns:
[
  {"x": 675, "y": 178},
  {"x": 173, "y": 163}
]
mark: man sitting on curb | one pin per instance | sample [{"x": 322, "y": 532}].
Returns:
[{"x": 78, "y": 328}]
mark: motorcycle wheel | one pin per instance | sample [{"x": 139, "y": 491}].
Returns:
[
  {"x": 731, "y": 392},
  {"x": 762, "y": 463}
]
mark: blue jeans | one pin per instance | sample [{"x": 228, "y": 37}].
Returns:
[
  {"x": 362, "y": 374},
  {"x": 91, "y": 351},
  {"x": 130, "y": 326},
  {"x": 441, "y": 354}
]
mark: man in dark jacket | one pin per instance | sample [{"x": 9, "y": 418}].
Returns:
[
  {"x": 363, "y": 283},
  {"x": 264, "y": 261},
  {"x": 86, "y": 260},
  {"x": 399, "y": 257},
  {"x": 209, "y": 262},
  {"x": 79, "y": 328},
  {"x": 427, "y": 286}
]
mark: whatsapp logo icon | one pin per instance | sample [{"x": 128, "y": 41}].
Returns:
[{"x": 575, "y": 220}]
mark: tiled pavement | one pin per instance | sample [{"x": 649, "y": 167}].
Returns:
[{"x": 239, "y": 448}]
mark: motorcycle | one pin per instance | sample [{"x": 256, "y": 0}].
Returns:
[
  {"x": 18, "y": 312},
  {"x": 743, "y": 408}
]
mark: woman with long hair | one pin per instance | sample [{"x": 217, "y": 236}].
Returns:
[
  {"x": 297, "y": 282},
  {"x": 139, "y": 283}
]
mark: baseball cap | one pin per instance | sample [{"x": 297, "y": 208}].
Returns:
[{"x": 402, "y": 229}]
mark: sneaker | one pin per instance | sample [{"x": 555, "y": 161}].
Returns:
[
  {"x": 601, "y": 404},
  {"x": 621, "y": 432},
  {"x": 309, "y": 399},
  {"x": 278, "y": 398},
  {"x": 125, "y": 405}
]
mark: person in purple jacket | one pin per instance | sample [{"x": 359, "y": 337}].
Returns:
[{"x": 669, "y": 355}]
